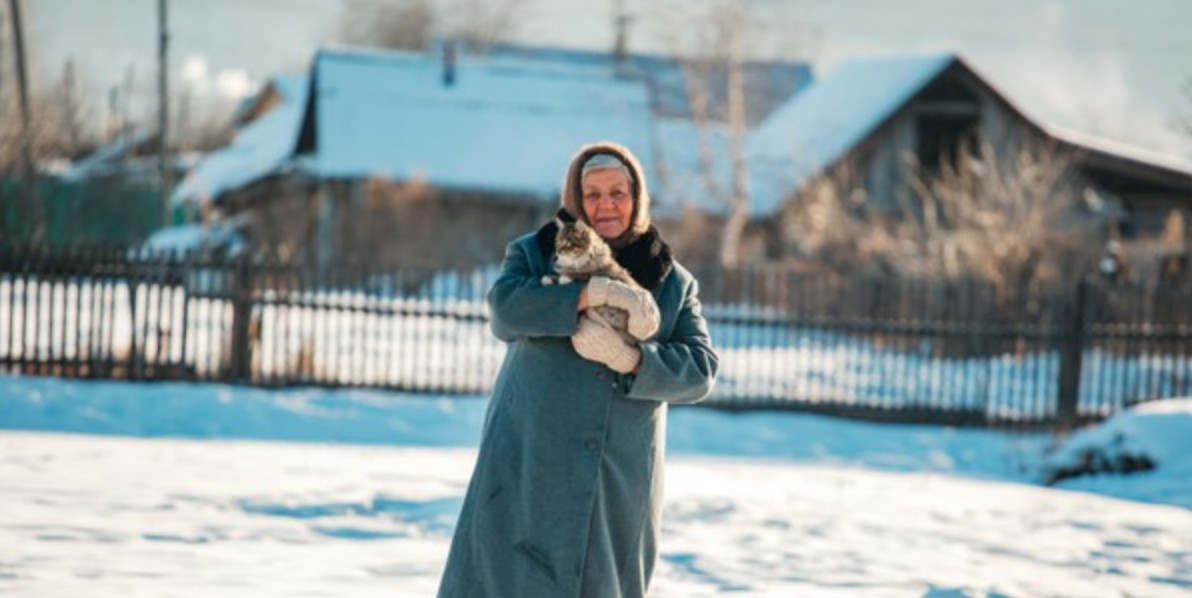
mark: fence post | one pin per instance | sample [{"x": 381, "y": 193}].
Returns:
[
  {"x": 132, "y": 278},
  {"x": 1071, "y": 355},
  {"x": 241, "y": 293}
]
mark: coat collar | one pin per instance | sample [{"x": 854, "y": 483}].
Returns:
[{"x": 648, "y": 258}]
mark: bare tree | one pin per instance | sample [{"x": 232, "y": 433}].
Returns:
[
  {"x": 61, "y": 118},
  {"x": 1010, "y": 219},
  {"x": 717, "y": 36},
  {"x": 481, "y": 23},
  {"x": 1183, "y": 123},
  {"x": 198, "y": 129},
  {"x": 413, "y": 24},
  {"x": 714, "y": 46},
  {"x": 402, "y": 25},
  {"x": 67, "y": 115}
]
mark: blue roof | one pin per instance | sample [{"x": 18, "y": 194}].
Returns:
[
  {"x": 260, "y": 148},
  {"x": 768, "y": 83},
  {"x": 502, "y": 125},
  {"x": 291, "y": 86}
]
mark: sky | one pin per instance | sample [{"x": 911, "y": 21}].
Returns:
[{"x": 1110, "y": 68}]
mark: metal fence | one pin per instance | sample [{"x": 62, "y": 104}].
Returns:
[{"x": 960, "y": 353}]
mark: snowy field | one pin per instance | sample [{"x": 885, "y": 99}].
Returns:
[{"x": 206, "y": 490}]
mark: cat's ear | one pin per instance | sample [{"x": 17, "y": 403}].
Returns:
[{"x": 563, "y": 217}]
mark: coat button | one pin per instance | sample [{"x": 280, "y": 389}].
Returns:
[
  {"x": 600, "y": 375},
  {"x": 591, "y": 445}
]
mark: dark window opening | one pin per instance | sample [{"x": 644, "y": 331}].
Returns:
[
  {"x": 948, "y": 118},
  {"x": 944, "y": 139}
]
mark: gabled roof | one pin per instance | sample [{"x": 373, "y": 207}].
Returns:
[
  {"x": 825, "y": 122},
  {"x": 278, "y": 89},
  {"x": 768, "y": 83},
  {"x": 1125, "y": 159},
  {"x": 106, "y": 159},
  {"x": 261, "y": 147},
  {"x": 817, "y": 128},
  {"x": 501, "y": 125}
]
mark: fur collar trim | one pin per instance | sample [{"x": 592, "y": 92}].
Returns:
[{"x": 648, "y": 258}]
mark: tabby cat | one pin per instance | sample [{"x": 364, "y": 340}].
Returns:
[{"x": 580, "y": 254}]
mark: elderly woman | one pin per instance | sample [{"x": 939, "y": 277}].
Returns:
[{"x": 566, "y": 496}]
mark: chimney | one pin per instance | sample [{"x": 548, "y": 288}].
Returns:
[
  {"x": 449, "y": 64},
  {"x": 621, "y": 49}
]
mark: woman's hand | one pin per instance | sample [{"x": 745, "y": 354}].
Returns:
[
  {"x": 596, "y": 341},
  {"x": 644, "y": 317}
]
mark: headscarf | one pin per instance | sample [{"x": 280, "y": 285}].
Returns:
[{"x": 572, "y": 195}]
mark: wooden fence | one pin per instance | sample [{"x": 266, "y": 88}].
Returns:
[{"x": 959, "y": 353}]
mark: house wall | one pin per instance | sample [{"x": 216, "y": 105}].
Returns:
[
  {"x": 882, "y": 165},
  {"x": 1147, "y": 213},
  {"x": 695, "y": 237},
  {"x": 1146, "y": 197},
  {"x": 412, "y": 224},
  {"x": 382, "y": 223},
  {"x": 849, "y": 215}
]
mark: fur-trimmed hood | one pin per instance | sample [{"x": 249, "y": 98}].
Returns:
[
  {"x": 648, "y": 258},
  {"x": 572, "y": 196}
]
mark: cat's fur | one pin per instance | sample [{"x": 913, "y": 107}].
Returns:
[{"x": 580, "y": 254}]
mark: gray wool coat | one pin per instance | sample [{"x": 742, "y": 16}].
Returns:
[{"x": 566, "y": 496}]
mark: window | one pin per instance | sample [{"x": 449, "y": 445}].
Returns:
[
  {"x": 944, "y": 138},
  {"x": 949, "y": 116}
]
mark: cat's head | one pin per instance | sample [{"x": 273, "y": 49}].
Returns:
[{"x": 576, "y": 240}]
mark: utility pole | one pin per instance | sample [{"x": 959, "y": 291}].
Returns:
[
  {"x": 130, "y": 80},
  {"x": 163, "y": 108},
  {"x": 3, "y": 53},
  {"x": 28, "y": 189},
  {"x": 71, "y": 120}
]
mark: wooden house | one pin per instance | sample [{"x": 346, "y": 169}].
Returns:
[
  {"x": 440, "y": 159},
  {"x": 878, "y": 127}
]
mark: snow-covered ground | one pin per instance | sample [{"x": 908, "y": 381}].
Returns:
[{"x": 117, "y": 489}]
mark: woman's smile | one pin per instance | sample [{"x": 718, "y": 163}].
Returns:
[{"x": 607, "y": 201}]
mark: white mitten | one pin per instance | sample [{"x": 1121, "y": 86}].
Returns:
[
  {"x": 596, "y": 341},
  {"x": 644, "y": 317}
]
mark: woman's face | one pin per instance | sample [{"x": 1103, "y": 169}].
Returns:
[{"x": 608, "y": 201}]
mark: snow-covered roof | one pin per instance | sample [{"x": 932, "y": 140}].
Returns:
[
  {"x": 502, "y": 125},
  {"x": 768, "y": 83},
  {"x": 292, "y": 85},
  {"x": 1121, "y": 151},
  {"x": 106, "y": 157},
  {"x": 196, "y": 236},
  {"x": 260, "y": 148},
  {"x": 683, "y": 176},
  {"x": 822, "y": 124}
]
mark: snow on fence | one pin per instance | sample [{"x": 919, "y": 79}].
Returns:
[{"x": 907, "y": 351}]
